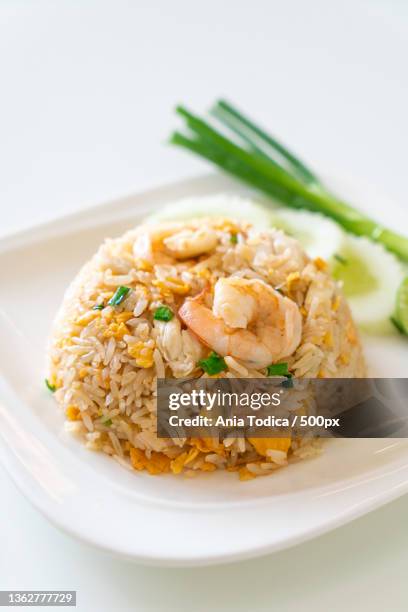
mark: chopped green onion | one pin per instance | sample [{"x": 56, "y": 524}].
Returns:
[
  {"x": 163, "y": 313},
  {"x": 284, "y": 177},
  {"x": 108, "y": 422},
  {"x": 288, "y": 383},
  {"x": 397, "y": 325},
  {"x": 400, "y": 318},
  {"x": 119, "y": 295},
  {"x": 98, "y": 307},
  {"x": 340, "y": 259},
  {"x": 49, "y": 386},
  {"x": 281, "y": 369},
  {"x": 234, "y": 238},
  {"x": 278, "y": 369},
  {"x": 214, "y": 364}
]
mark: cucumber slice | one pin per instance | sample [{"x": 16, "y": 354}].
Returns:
[
  {"x": 400, "y": 318},
  {"x": 371, "y": 277},
  {"x": 213, "y": 206},
  {"x": 319, "y": 236}
]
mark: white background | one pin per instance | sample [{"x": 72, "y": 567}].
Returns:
[{"x": 86, "y": 97}]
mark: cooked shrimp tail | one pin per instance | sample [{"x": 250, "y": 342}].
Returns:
[{"x": 249, "y": 321}]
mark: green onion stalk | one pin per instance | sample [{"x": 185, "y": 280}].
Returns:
[{"x": 246, "y": 151}]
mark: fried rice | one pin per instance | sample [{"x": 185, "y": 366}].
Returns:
[{"x": 104, "y": 359}]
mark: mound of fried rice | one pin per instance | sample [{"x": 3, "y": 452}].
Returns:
[{"x": 104, "y": 360}]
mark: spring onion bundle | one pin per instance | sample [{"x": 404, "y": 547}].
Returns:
[{"x": 246, "y": 151}]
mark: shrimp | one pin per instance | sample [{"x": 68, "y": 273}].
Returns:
[
  {"x": 191, "y": 242},
  {"x": 153, "y": 244},
  {"x": 249, "y": 321}
]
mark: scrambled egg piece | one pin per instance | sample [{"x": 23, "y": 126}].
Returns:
[
  {"x": 172, "y": 285},
  {"x": 157, "y": 464},
  {"x": 73, "y": 413},
  {"x": 142, "y": 354},
  {"x": 262, "y": 445},
  {"x": 245, "y": 474},
  {"x": 182, "y": 460},
  {"x": 116, "y": 330},
  {"x": 320, "y": 263}
]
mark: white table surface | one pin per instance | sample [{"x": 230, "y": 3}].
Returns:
[{"x": 87, "y": 90}]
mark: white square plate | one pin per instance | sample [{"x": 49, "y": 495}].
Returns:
[{"x": 164, "y": 519}]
